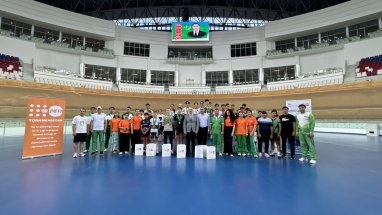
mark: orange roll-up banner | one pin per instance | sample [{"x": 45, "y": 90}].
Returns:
[{"x": 44, "y": 125}]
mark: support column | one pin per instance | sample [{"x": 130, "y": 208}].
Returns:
[
  {"x": 230, "y": 77},
  {"x": 84, "y": 42},
  {"x": 261, "y": 75},
  {"x": 60, "y": 36},
  {"x": 347, "y": 31},
  {"x": 118, "y": 75},
  {"x": 32, "y": 31},
  {"x": 295, "y": 42},
  {"x": 298, "y": 71},
  {"x": 204, "y": 81},
  {"x": 319, "y": 37},
  {"x": 380, "y": 22},
  {"x": 176, "y": 81},
  {"x": 82, "y": 70},
  {"x": 148, "y": 76}
]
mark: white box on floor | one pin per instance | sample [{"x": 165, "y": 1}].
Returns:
[
  {"x": 181, "y": 151},
  {"x": 138, "y": 149},
  {"x": 200, "y": 151},
  {"x": 211, "y": 152},
  {"x": 166, "y": 150},
  {"x": 151, "y": 149},
  {"x": 372, "y": 129}
]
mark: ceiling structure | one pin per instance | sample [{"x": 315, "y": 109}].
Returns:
[{"x": 222, "y": 14}]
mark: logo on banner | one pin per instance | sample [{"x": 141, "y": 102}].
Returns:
[{"x": 55, "y": 111}]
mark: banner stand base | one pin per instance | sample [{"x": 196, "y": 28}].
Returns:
[{"x": 40, "y": 156}]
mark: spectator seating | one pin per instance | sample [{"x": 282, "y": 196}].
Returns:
[
  {"x": 316, "y": 79},
  {"x": 70, "y": 80},
  {"x": 370, "y": 66},
  {"x": 10, "y": 67}
]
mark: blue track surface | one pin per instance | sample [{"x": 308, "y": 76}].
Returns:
[{"x": 346, "y": 180}]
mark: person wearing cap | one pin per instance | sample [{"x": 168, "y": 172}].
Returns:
[
  {"x": 287, "y": 132},
  {"x": 305, "y": 123},
  {"x": 108, "y": 128},
  {"x": 98, "y": 128}
]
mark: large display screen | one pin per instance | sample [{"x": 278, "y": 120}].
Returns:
[{"x": 190, "y": 31}]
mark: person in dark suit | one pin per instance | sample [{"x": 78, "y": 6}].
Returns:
[
  {"x": 190, "y": 128},
  {"x": 196, "y": 31}
]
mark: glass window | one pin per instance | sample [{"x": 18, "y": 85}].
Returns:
[
  {"x": 331, "y": 36},
  {"x": 190, "y": 53},
  {"x": 283, "y": 45},
  {"x": 100, "y": 73},
  {"x": 133, "y": 76},
  {"x": 363, "y": 29},
  {"x": 244, "y": 49},
  {"x": 17, "y": 28},
  {"x": 137, "y": 49},
  {"x": 248, "y": 76},
  {"x": 307, "y": 41},
  {"x": 162, "y": 78},
  {"x": 94, "y": 44},
  {"x": 282, "y": 73},
  {"x": 46, "y": 34},
  {"x": 218, "y": 78},
  {"x": 72, "y": 40}
]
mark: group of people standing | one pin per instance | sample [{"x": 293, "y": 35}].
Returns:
[{"x": 255, "y": 136}]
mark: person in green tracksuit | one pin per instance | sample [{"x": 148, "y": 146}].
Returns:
[
  {"x": 217, "y": 127},
  {"x": 305, "y": 131}
]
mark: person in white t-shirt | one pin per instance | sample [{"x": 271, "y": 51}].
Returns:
[
  {"x": 98, "y": 129},
  {"x": 80, "y": 131}
]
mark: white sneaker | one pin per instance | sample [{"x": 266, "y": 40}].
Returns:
[
  {"x": 255, "y": 156},
  {"x": 239, "y": 154},
  {"x": 75, "y": 155},
  {"x": 278, "y": 154},
  {"x": 313, "y": 162},
  {"x": 266, "y": 155},
  {"x": 220, "y": 154},
  {"x": 260, "y": 155},
  {"x": 121, "y": 153},
  {"x": 85, "y": 151},
  {"x": 244, "y": 154},
  {"x": 303, "y": 159},
  {"x": 126, "y": 153},
  {"x": 82, "y": 155},
  {"x": 231, "y": 155},
  {"x": 105, "y": 150}
]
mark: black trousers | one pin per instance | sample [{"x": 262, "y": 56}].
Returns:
[
  {"x": 190, "y": 143},
  {"x": 124, "y": 142},
  {"x": 228, "y": 139},
  {"x": 291, "y": 139},
  {"x": 263, "y": 139},
  {"x": 136, "y": 139},
  {"x": 168, "y": 135},
  {"x": 202, "y": 136}
]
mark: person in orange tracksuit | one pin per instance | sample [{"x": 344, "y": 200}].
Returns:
[
  {"x": 125, "y": 130},
  {"x": 114, "y": 127},
  {"x": 251, "y": 126},
  {"x": 241, "y": 132}
]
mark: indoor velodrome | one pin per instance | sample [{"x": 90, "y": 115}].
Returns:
[{"x": 190, "y": 107}]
